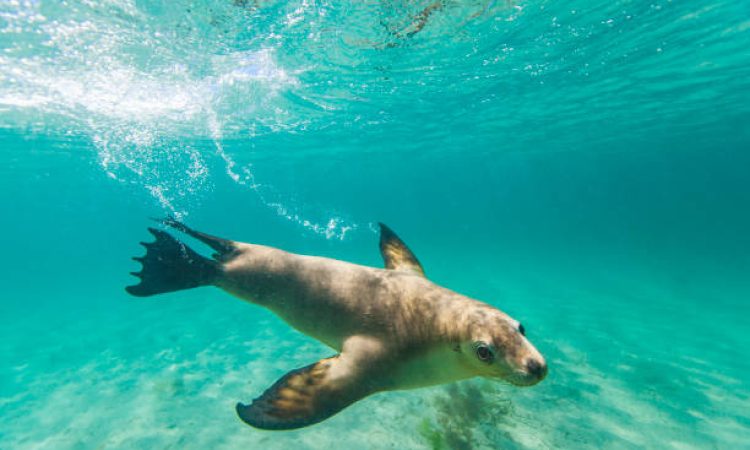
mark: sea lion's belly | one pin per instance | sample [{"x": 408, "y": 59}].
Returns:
[{"x": 326, "y": 299}]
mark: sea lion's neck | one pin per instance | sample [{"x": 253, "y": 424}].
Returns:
[
  {"x": 455, "y": 316},
  {"x": 438, "y": 364}
]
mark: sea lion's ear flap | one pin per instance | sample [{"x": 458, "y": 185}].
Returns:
[{"x": 396, "y": 254}]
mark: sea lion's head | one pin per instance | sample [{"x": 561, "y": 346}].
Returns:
[
  {"x": 495, "y": 346},
  {"x": 489, "y": 343}
]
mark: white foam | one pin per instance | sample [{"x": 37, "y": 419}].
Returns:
[{"x": 87, "y": 74}]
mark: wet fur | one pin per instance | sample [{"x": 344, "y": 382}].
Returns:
[{"x": 393, "y": 328}]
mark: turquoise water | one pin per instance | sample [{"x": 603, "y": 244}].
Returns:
[{"x": 583, "y": 167}]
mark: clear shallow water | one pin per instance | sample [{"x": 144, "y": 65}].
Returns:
[{"x": 583, "y": 168}]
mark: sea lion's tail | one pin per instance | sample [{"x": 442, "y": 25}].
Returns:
[{"x": 169, "y": 265}]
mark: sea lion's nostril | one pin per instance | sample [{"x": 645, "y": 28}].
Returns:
[{"x": 536, "y": 368}]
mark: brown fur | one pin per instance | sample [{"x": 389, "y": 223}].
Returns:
[{"x": 393, "y": 327}]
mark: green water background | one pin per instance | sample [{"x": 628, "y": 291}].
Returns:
[{"x": 584, "y": 169}]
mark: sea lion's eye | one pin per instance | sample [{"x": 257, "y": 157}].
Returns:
[
  {"x": 521, "y": 330},
  {"x": 484, "y": 353}
]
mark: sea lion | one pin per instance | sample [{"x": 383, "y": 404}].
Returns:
[{"x": 393, "y": 328}]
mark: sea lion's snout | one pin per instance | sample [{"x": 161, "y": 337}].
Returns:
[
  {"x": 531, "y": 365},
  {"x": 532, "y": 371},
  {"x": 537, "y": 369}
]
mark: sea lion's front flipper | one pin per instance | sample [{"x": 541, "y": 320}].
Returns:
[
  {"x": 314, "y": 393},
  {"x": 396, "y": 254}
]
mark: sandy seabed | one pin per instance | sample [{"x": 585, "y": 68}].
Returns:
[{"x": 167, "y": 372}]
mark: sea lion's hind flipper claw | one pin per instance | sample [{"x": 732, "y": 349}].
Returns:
[
  {"x": 169, "y": 265},
  {"x": 396, "y": 254},
  {"x": 224, "y": 247}
]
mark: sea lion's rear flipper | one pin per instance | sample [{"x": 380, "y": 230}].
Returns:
[
  {"x": 314, "y": 393},
  {"x": 224, "y": 247},
  {"x": 169, "y": 265},
  {"x": 396, "y": 254}
]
